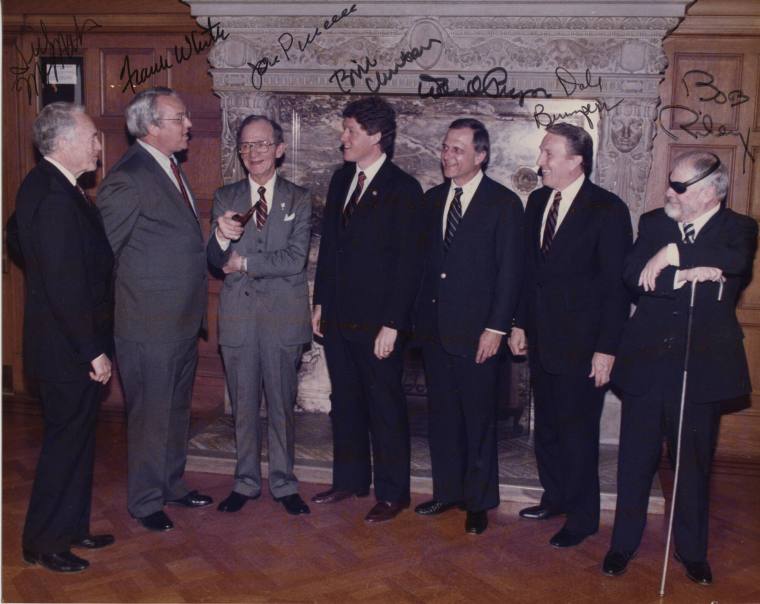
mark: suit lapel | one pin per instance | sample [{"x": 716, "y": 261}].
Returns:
[
  {"x": 573, "y": 220},
  {"x": 535, "y": 233},
  {"x": 371, "y": 194},
  {"x": 168, "y": 187}
]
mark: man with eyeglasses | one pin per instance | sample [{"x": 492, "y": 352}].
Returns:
[
  {"x": 151, "y": 220},
  {"x": 694, "y": 238},
  {"x": 261, "y": 228}
]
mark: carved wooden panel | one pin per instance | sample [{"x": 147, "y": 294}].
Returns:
[
  {"x": 754, "y": 208},
  {"x": 114, "y": 97},
  {"x": 709, "y": 87},
  {"x": 192, "y": 77}
]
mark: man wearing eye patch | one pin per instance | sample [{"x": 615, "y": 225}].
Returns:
[{"x": 694, "y": 238}]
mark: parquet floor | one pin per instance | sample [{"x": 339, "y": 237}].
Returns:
[{"x": 264, "y": 555}]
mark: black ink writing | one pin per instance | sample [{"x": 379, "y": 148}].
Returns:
[
  {"x": 182, "y": 52},
  {"x": 286, "y": 41},
  {"x": 493, "y": 84},
  {"x": 63, "y": 44},
  {"x": 546, "y": 119},
  {"x": 734, "y": 97},
  {"x": 570, "y": 84}
]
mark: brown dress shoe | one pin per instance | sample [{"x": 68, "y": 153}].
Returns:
[
  {"x": 385, "y": 510},
  {"x": 334, "y": 495}
]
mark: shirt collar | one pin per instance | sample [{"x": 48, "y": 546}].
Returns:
[
  {"x": 163, "y": 159},
  {"x": 698, "y": 223},
  {"x": 269, "y": 186},
  {"x": 67, "y": 173},
  {"x": 469, "y": 188},
  {"x": 371, "y": 170},
  {"x": 570, "y": 191}
]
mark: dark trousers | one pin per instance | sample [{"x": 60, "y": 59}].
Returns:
[
  {"x": 462, "y": 428},
  {"x": 157, "y": 378},
  {"x": 645, "y": 421},
  {"x": 368, "y": 409},
  {"x": 567, "y": 413},
  {"x": 59, "y": 508}
]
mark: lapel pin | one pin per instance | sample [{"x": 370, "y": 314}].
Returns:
[
  {"x": 282, "y": 206},
  {"x": 374, "y": 192}
]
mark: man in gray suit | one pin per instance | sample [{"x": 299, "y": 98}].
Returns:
[
  {"x": 261, "y": 231},
  {"x": 151, "y": 222}
]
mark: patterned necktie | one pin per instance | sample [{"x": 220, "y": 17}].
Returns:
[
  {"x": 185, "y": 196},
  {"x": 353, "y": 202},
  {"x": 688, "y": 233},
  {"x": 261, "y": 209},
  {"x": 453, "y": 218},
  {"x": 551, "y": 225}
]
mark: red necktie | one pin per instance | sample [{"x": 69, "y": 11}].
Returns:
[
  {"x": 353, "y": 202},
  {"x": 261, "y": 209},
  {"x": 185, "y": 196}
]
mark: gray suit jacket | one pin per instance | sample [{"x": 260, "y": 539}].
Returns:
[
  {"x": 276, "y": 275},
  {"x": 161, "y": 282}
]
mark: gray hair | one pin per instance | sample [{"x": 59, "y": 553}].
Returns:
[
  {"x": 54, "y": 122},
  {"x": 701, "y": 161},
  {"x": 142, "y": 112}
]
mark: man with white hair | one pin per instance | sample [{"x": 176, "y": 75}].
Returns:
[
  {"x": 68, "y": 334},
  {"x": 694, "y": 238},
  {"x": 151, "y": 220}
]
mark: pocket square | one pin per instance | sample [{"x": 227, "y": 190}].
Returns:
[{"x": 289, "y": 217}]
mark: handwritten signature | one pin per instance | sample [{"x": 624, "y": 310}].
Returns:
[
  {"x": 701, "y": 125},
  {"x": 286, "y": 39},
  {"x": 63, "y": 44},
  {"x": 182, "y": 52},
  {"x": 546, "y": 119},
  {"x": 493, "y": 85},
  {"x": 346, "y": 79}
]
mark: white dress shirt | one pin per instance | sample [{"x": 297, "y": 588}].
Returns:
[
  {"x": 69, "y": 176},
  {"x": 369, "y": 173},
  {"x": 568, "y": 196},
  {"x": 468, "y": 190}
]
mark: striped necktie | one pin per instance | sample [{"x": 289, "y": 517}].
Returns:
[
  {"x": 353, "y": 202},
  {"x": 551, "y": 225},
  {"x": 453, "y": 218},
  {"x": 261, "y": 209},
  {"x": 688, "y": 233}
]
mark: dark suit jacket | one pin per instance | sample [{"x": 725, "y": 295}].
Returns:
[
  {"x": 276, "y": 264},
  {"x": 476, "y": 284},
  {"x": 161, "y": 283},
  {"x": 368, "y": 273},
  {"x": 656, "y": 334},
  {"x": 68, "y": 311},
  {"x": 574, "y": 302}
]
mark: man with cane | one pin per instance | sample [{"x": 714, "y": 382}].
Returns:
[{"x": 694, "y": 239}]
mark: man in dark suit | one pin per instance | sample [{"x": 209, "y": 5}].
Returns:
[
  {"x": 263, "y": 309},
  {"x": 367, "y": 279},
  {"x": 572, "y": 310},
  {"x": 470, "y": 288},
  {"x": 692, "y": 240},
  {"x": 68, "y": 331},
  {"x": 151, "y": 222}
]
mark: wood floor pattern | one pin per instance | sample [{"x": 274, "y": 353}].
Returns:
[{"x": 263, "y": 555}]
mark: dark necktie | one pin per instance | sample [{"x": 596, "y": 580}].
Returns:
[
  {"x": 261, "y": 209},
  {"x": 353, "y": 201},
  {"x": 453, "y": 218},
  {"x": 551, "y": 225},
  {"x": 85, "y": 195},
  {"x": 185, "y": 196},
  {"x": 688, "y": 233}
]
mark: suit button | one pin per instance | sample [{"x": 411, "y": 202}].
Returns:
[
  {"x": 433, "y": 300},
  {"x": 246, "y": 293},
  {"x": 443, "y": 275},
  {"x": 675, "y": 313}
]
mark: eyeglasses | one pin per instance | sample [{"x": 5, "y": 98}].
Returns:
[
  {"x": 260, "y": 146},
  {"x": 179, "y": 117},
  {"x": 680, "y": 187}
]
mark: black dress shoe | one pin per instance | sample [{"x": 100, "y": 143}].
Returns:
[
  {"x": 62, "y": 562},
  {"x": 93, "y": 541},
  {"x": 192, "y": 500},
  {"x": 334, "y": 495},
  {"x": 157, "y": 521},
  {"x": 293, "y": 504},
  {"x": 383, "y": 511},
  {"x": 476, "y": 522},
  {"x": 565, "y": 538},
  {"x": 616, "y": 563},
  {"x": 235, "y": 501},
  {"x": 699, "y": 572},
  {"x": 538, "y": 512},
  {"x": 434, "y": 507}
]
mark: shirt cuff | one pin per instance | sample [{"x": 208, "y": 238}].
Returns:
[
  {"x": 224, "y": 243},
  {"x": 678, "y": 283},
  {"x": 674, "y": 258},
  {"x": 501, "y": 333}
]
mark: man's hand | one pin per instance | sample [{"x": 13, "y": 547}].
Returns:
[
  {"x": 518, "y": 342},
  {"x": 700, "y": 274},
  {"x": 101, "y": 369},
  {"x": 316, "y": 320},
  {"x": 384, "y": 342},
  {"x": 235, "y": 263},
  {"x": 488, "y": 345},
  {"x": 653, "y": 268},
  {"x": 601, "y": 367},
  {"x": 227, "y": 228}
]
